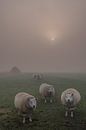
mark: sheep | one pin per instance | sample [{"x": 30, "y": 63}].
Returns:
[
  {"x": 37, "y": 76},
  {"x": 70, "y": 98},
  {"x": 25, "y": 104},
  {"x": 47, "y": 91}
]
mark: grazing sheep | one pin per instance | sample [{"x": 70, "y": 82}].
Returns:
[
  {"x": 25, "y": 104},
  {"x": 37, "y": 76},
  {"x": 70, "y": 98},
  {"x": 47, "y": 91}
]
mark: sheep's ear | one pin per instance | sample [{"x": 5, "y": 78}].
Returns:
[
  {"x": 36, "y": 99},
  {"x": 28, "y": 99},
  {"x": 72, "y": 94},
  {"x": 27, "y": 103}
]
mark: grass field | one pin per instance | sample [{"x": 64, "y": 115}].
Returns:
[{"x": 47, "y": 116}]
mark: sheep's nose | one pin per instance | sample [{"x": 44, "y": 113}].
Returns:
[
  {"x": 68, "y": 100},
  {"x": 33, "y": 106}
]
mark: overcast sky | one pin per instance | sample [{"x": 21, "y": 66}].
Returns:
[{"x": 27, "y": 28}]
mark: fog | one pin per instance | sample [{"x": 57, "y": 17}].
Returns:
[{"x": 26, "y": 31}]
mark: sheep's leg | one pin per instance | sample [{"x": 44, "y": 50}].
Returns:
[
  {"x": 66, "y": 113},
  {"x": 71, "y": 113},
  {"x": 23, "y": 120},
  {"x": 19, "y": 112},
  {"x": 45, "y": 100},
  {"x": 50, "y": 100},
  {"x": 29, "y": 116},
  {"x": 30, "y": 119}
]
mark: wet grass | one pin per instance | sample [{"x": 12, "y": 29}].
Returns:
[{"x": 47, "y": 116}]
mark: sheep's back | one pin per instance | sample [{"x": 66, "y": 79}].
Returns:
[
  {"x": 77, "y": 96},
  {"x": 20, "y": 100},
  {"x": 43, "y": 90}
]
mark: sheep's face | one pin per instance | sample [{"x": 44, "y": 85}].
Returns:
[
  {"x": 50, "y": 91},
  {"x": 31, "y": 103},
  {"x": 69, "y": 98}
]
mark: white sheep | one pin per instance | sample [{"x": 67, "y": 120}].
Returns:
[
  {"x": 47, "y": 91},
  {"x": 25, "y": 104},
  {"x": 37, "y": 76},
  {"x": 70, "y": 98}
]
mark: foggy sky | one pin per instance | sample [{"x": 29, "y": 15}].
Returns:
[{"x": 24, "y": 35}]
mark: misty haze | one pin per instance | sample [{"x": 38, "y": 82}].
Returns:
[{"x": 43, "y": 35}]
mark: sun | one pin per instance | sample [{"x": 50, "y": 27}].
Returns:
[
  {"x": 52, "y": 39},
  {"x": 51, "y": 35}
]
